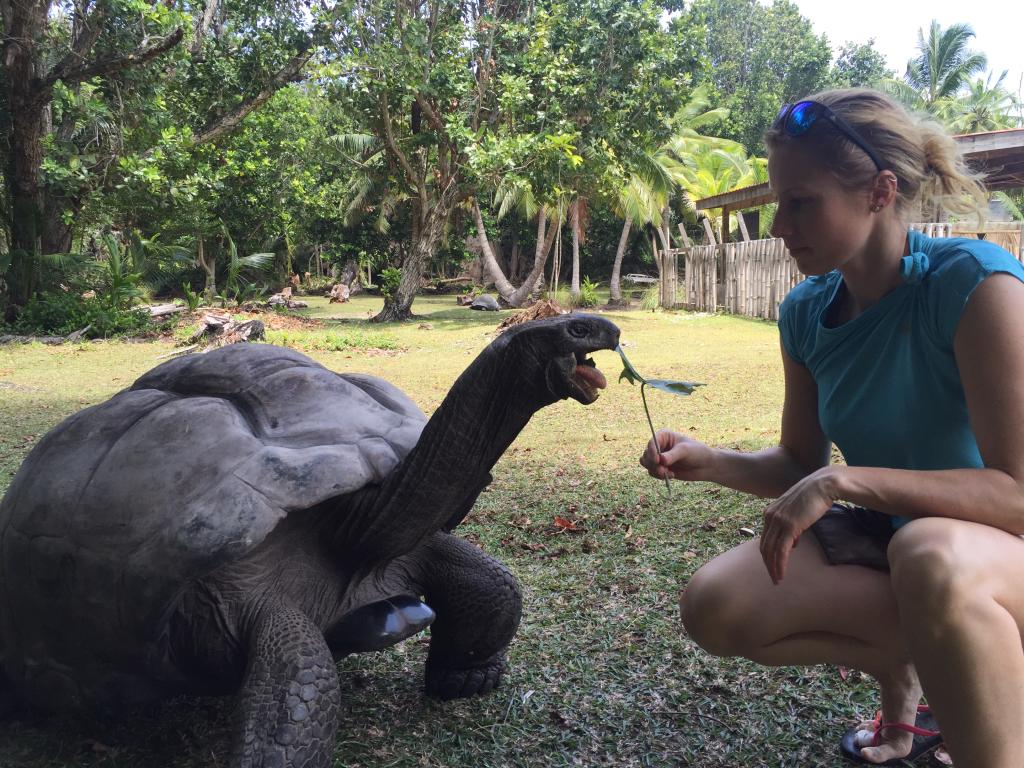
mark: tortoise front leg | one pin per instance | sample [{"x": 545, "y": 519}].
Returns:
[
  {"x": 290, "y": 697},
  {"x": 478, "y": 606}
]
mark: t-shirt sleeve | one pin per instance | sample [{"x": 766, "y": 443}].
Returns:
[
  {"x": 796, "y": 318},
  {"x": 786, "y": 329},
  {"x": 953, "y": 282}
]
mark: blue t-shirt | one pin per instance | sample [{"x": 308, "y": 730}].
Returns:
[{"x": 889, "y": 392}]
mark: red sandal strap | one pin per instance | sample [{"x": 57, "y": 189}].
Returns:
[{"x": 880, "y": 726}]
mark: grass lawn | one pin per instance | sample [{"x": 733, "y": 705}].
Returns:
[{"x": 600, "y": 673}]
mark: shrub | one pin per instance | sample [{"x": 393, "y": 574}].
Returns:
[
  {"x": 60, "y": 313},
  {"x": 651, "y": 298},
  {"x": 192, "y": 298},
  {"x": 588, "y": 294}
]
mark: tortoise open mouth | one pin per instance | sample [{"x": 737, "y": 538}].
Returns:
[{"x": 585, "y": 379}]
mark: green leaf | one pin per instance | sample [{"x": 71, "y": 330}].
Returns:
[
  {"x": 674, "y": 387},
  {"x": 629, "y": 373}
]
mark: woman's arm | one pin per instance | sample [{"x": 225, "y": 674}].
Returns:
[
  {"x": 769, "y": 472},
  {"x": 989, "y": 349}
]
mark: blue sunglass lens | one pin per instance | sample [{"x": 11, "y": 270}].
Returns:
[{"x": 801, "y": 118}]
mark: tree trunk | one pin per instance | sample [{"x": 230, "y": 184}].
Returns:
[
  {"x": 56, "y": 234},
  {"x": 513, "y": 296},
  {"x": 209, "y": 266},
  {"x": 574, "y": 222},
  {"x": 544, "y": 243},
  {"x": 23, "y": 24},
  {"x": 515, "y": 261},
  {"x": 615, "y": 292},
  {"x": 502, "y": 285},
  {"x": 398, "y": 306}
]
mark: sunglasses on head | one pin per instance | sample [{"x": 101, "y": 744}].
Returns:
[{"x": 797, "y": 119}]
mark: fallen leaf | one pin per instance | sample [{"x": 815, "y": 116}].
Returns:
[
  {"x": 844, "y": 672},
  {"x": 565, "y": 525},
  {"x": 748, "y": 531}
]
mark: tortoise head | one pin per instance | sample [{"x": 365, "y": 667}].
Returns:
[{"x": 557, "y": 351}]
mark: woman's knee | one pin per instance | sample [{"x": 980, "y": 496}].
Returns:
[
  {"x": 713, "y": 613},
  {"x": 929, "y": 562}
]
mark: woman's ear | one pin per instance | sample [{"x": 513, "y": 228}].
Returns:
[{"x": 884, "y": 190}]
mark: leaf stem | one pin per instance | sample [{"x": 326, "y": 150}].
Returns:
[{"x": 654, "y": 436}]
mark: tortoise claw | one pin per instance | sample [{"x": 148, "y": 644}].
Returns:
[{"x": 446, "y": 683}]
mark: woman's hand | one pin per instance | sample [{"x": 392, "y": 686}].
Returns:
[
  {"x": 786, "y": 518},
  {"x": 677, "y": 457}
]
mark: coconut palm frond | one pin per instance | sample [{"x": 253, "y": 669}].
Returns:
[
  {"x": 1011, "y": 205},
  {"x": 65, "y": 261},
  {"x": 257, "y": 260},
  {"x": 358, "y": 144},
  {"x": 356, "y": 198},
  {"x": 903, "y": 92}
]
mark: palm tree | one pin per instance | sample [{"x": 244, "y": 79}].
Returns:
[
  {"x": 719, "y": 168},
  {"x": 645, "y": 194},
  {"x": 641, "y": 200},
  {"x": 944, "y": 64},
  {"x": 983, "y": 107}
]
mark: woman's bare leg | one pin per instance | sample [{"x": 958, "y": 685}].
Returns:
[
  {"x": 819, "y": 614},
  {"x": 960, "y": 591}
]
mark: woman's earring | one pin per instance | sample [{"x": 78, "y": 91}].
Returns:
[{"x": 876, "y": 207}]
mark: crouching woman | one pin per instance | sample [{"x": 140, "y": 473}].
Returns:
[{"x": 907, "y": 353}]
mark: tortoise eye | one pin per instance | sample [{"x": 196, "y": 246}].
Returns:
[{"x": 579, "y": 330}]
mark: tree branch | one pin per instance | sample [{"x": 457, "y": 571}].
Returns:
[
  {"x": 201, "y": 26},
  {"x": 432, "y": 117},
  {"x": 389, "y": 138},
  {"x": 71, "y": 74},
  {"x": 229, "y": 121}
]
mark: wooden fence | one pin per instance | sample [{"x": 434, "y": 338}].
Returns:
[
  {"x": 752, "y": 278},
  {"x": 748, "y": 278}
]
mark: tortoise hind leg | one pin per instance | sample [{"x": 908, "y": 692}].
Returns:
[
  {"x": 478, "y": 606},
  {"x": 290, "y": 698}
]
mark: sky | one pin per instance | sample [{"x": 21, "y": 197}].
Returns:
[{"x": 998, "y": 27}]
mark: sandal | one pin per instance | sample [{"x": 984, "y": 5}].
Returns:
[{"x": 926, "y": 738}]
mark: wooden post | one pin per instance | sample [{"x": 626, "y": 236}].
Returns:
[
  {"x": 709, "y": 231},
  {"x": 743, "y": 227},
  {"x": 726, "y": 212},
  {"x": 682, "y": 236}
]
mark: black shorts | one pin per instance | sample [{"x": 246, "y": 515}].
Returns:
[{"x": 852, "y": 535}]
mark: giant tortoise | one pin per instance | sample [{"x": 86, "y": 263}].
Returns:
[{"x": 237, "y": 521}]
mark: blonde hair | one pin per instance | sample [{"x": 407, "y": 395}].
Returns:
[{"x": 927, "y": 162}]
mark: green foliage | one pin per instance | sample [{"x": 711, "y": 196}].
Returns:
[
  {"x": 944, "y": 63},
  {"x": 60, "y": 313},
  {"x": 588, "y": 296},
  {"x": 651, "y": 298},
  {"x": 756, "y": 57},
  {"x": 630, "y": 374},
  {"x": 333, "y": 341},
  {"x": 388, "y": 280},
  {"x": 859, "y": 65},
  {"x": 192, "y": 298},
  {"x": 121, "y": 286}
]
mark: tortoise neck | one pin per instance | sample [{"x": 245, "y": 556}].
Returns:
[{"x": 438, "y": 482}]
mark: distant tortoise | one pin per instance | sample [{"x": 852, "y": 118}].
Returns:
[
  {"x": 236, "y": 521},
  {"x": 485, "y": 302}
]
